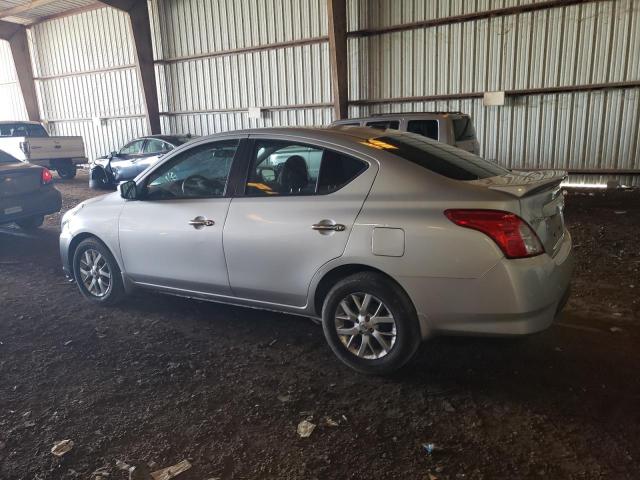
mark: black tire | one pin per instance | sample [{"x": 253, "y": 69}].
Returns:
[
  {"x": 30, "y": 223},
  {"x": 112, "y": 294},
  {"x": 67, "y": 171},
  {"x": 396, "y": 302},
  {"x": 100, "y": 180}
]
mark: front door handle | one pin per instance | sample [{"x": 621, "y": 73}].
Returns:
[
  {"x": 201, "y": 222},
  {"x": 324, "y": 227}
]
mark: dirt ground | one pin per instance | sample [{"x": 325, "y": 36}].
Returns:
[{"x": 162, "y": 379}]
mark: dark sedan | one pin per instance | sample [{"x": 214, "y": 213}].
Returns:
[
  {"x": 132, "y": 159},
  {"x": 26, "y": 193}
]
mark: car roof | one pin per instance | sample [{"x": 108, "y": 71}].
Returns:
[
  {"x": 17, "y": 122},
  {"x": 354, "y": 133},
  {"x": 416, "y": 115}
]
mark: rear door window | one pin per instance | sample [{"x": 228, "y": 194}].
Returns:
[
  {"x": 280, "y": 168},
  {"x": 439, "y": 158},
  {"x": 463, "y": 129},
  {"x": 426, "y": 128},
  {"x": 384, "y": 124}
]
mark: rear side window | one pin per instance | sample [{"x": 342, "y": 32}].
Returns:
[
  {"x": 426, "y": 128},
  {"x": 22, "y": 130},
  {"x": 280, "y": 168},
  {"x": 384, "y": 124},
  {"x": 463, "y": 129},
  {"x": 440, "y": 158}
]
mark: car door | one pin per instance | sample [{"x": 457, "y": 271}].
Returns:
[
  {"x": 299, "y": 204},
  {"x": 123, "y": 163},
  {"x": 172, "y": 236}
]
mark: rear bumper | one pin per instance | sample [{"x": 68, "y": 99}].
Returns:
[
  {"x": 45, "y": 201},
  {"x": 515, "y": 297}
]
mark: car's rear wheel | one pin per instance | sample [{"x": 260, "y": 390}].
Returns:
[
  {"x": 370, "y": 323},
  {"x": 30, "y": 223},
  {"x": 67, "y": 170},
  {"x": 97, "y": 273}
]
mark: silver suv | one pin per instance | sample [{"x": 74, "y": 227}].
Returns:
[
  {"x": 389, "y": 237},
  {"x": 453, "y": 128}
]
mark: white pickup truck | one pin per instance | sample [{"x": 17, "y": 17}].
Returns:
[{"x": 30, "y": 142}]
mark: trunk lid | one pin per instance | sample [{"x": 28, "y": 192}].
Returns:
[
  {"x": 18, "y": 179},
  {"x": 541, "y": 201}
]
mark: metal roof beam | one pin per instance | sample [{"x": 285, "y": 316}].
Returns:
[
  {"x": 138, "y": 12},
  {"x": 16, "y": 35},
  {"x": 18, "y": 9},
  {"x": 337, "y": 12}
]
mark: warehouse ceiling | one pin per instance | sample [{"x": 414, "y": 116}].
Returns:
[{"x": 27, "y": 12}]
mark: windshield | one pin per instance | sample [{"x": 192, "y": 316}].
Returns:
[
  {"x": 6, "y": 158},
  {"x": 440, "y": 158},
  {"x": 22, "y": 130}
]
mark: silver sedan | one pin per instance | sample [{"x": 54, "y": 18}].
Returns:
[{"x": 388, "y": 237}]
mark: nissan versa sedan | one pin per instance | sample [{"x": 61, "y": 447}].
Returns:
[{"x": 388, "y": 237}]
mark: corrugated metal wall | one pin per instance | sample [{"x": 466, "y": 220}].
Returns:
[
  {"x": 597, "y": 42},
  {"x": 11, "y": 104},
  {"x": 84, "y": 65},
  {"x": 213, "y": 91},
  {"x": 207, "y": 79}
]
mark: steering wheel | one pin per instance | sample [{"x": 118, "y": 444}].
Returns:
[{"x": 196, "y": 185}]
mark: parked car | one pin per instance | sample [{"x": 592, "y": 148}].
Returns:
[
  {"x": 389, "y": 237},
  {"x": 26, "y": 193},
  {"x": 30, "y": 142},
  {"x": 132, "y": 159},
  {"x": 453, "y": 128}
]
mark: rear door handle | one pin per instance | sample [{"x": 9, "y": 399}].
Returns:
[
  {"x": 323, "y": 227},
  {"x": 201, "y": 222}
]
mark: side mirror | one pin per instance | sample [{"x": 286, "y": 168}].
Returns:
[{"x": 129, "y": 190}]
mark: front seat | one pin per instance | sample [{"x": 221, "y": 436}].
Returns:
[{"x": 294, "y": 176}]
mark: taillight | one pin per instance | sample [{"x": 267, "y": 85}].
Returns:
[
  {"x": 512, "y": 234},
  {"x": 46, "y": 177}
]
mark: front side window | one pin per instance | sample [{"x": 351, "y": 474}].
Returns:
[
  {"x": 132, "y": 148},
  {"x": 426, "y": 128},
  {"x": 200, "y": 172},
  {"x": 281, "y": 168},
  {"x": 438, "y": 157},
  {"x": 154, "y": 145},
  {"x": 384, "y": 124}
]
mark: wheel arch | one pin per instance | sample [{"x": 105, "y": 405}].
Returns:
[{"x": 330, "y": 278}]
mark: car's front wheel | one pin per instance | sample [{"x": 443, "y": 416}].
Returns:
[
  {"x": 370, "y": 323},
  {"x": 97, "y": 273}
]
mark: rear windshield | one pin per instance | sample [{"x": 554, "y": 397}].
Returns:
[
  {"x": 6, "y": 158},
  {"x": 463, "y": 129},
  {"x": 438, "y": 157},
  {"x": 22, "y": 130}
]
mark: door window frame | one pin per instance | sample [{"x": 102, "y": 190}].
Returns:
[
  {"x": 249, "y": 150},
  {"x": 235, "y": 171}
]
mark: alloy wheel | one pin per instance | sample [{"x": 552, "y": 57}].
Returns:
[
  {"x": 365, "y": 326},
  {"x": 95, "y": 273}
]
